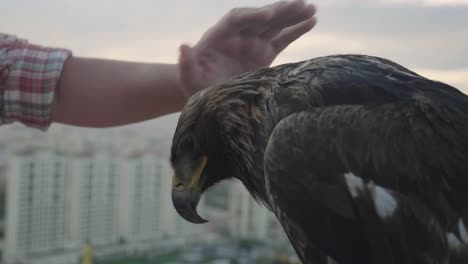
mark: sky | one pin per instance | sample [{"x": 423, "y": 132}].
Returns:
[{"x": 427, "y": 36}]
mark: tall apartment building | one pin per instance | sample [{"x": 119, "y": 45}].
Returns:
[
  {"x": 184, "y": 229},
  {"x": 142, "y": 215},
  {"x": 94, "y": 197},
  {"x": 147, "y": 210},
  {"x": 36, "y": 202},
  {"x": 248, "y": 219},
  {"x": 68, "y": 190}
]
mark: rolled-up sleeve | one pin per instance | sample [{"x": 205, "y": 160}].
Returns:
[{"x": 29, "y": 75}]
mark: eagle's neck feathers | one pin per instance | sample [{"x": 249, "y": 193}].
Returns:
[{"x": 242, "y": 117}]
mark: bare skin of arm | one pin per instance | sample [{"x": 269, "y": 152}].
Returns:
[{"x": 104, "y": 93}]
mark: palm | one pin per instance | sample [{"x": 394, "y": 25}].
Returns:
[
  {"x": 244, "y": 40},
  {"x": 233, "y": 56}
]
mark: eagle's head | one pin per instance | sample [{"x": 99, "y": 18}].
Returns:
[{"x": 219, "y": 136}]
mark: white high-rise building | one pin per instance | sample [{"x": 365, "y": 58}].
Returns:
[
  {"x": 69, "y": 189},
  {"x": 143, "y": 197},
  {"x": 248, "y": 219},
  {"x": 184, "y": 229},
  {"x": 36, "y": 202},
  {"x": 94, "y": 198},
  {"x": 147, "y": 211}
]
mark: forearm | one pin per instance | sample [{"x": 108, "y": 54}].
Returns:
[{"x": 104, "y": 93}]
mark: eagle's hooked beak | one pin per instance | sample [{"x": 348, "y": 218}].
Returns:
[{"x": 186, "y": 194}]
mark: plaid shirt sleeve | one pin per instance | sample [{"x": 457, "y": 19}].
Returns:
[{"x": 28, "y": 77}]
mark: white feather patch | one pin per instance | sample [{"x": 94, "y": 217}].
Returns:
[
  {"x": 355, "y": 184},
  {"x": 462, "y": 231},
  {"x": 384, "y": 202}
]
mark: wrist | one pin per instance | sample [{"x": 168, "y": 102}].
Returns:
[
  {"x": 168, "y": 88},
  {"x": 182, "y": 90}
]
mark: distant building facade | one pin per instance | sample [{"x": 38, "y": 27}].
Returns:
[
  {"x": 64, "y": 192},
  {"x": 143, "y": 200},
  {"x": 36, "y": 203},
  {"x": 250, "y": 220},
  {"x": 94, "y": 198},
  {"x": 147, "y": 211}
]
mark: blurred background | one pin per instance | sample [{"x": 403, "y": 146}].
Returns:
[{"x": 73, "y": 193}]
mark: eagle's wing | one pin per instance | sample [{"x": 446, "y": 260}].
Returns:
[{"x": 373, "y": 184}]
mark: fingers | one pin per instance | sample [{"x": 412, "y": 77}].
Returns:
[
  {"x": 254, "y": 21},
  {"x": 286, "y": 20},
  {"x": 268, "y": 13},
  {"x": 289, "y": 35},
  {"x": 282, "y": 14},
  {"x": 239, "y": 18}
]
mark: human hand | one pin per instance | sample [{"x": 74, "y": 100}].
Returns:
[{"x": 244, "y": 39}]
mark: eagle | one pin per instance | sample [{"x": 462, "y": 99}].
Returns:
[{"x": 360, "y": 159}]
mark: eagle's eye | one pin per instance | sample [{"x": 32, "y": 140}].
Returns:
[{"x": 188, "y": 146}]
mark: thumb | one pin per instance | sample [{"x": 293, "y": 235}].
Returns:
[{"x": 188, "y": 69}]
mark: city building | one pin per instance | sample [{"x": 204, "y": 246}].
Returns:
[
  {"x": 36, "y": 202},
  {"x": 147, "y": 211},
  {"x": 250, "y": 220},
  {"x": 144, "y": 197},
  {"x": 94, "y": 197},
  {"x": 68, "y": 188}
]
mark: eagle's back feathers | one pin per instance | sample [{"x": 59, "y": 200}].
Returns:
[{"x": 364, "y": 161}]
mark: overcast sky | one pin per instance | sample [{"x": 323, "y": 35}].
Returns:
[{"x": 428, "y": 36}]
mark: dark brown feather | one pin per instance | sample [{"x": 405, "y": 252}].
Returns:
[{"x": 293, "y": 131}]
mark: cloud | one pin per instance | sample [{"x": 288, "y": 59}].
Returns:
[
  {"x": 420, "y": 34},
  {"x": 414, "y": 52},
  {"x": 428, "y": 36},
  {"x": 428, "y": 2},
  {"x": 419, "y": 54},
  {"x": 425, "y": 3},
  {"x": 152, "y": 30},
  {"x": 457, "y": 78}
]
